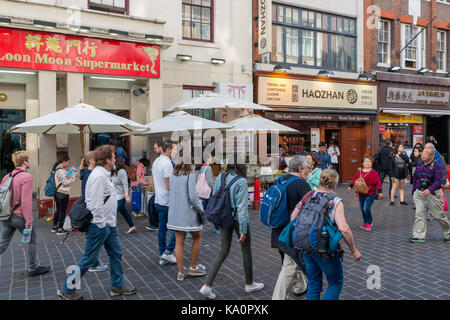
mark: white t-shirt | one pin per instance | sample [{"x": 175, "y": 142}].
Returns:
[
  {"x": 162, "y": 168},
  {"x": 334, "y": 158}
]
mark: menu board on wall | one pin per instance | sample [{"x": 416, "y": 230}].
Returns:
[{"x": 315, "y": 139}]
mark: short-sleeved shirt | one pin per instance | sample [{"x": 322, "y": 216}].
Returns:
[{"x": 162, "y": 168}]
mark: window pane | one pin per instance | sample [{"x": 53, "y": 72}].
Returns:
[
  {"x": 186, "y": 29},
  {"x": 337, "y": 52},
  {"x": 196, "y": 14},
  {"x": 186, "y": 12},
  {"x": 274, "y": 12},
  {"x": 206, "y": 15},
  {"x": 324, "y": 21},
  {"x": 319, "y": 20},
  {"x": 206, "y": 3},
  {"x": 280, "y": 13},
  {"x": 350, "y": 52},
  {"x": 119, "y": 3},
  {"x": 108, "y": 2},
  {"x": 292, "y": 52},
  {"x": 295, "y": 16},
  {"x": 277, "y": 44},
  {"x": 206, "y": 31},
  {"x": 187, "y": 1},
  {"x": 196, "y": 30},
  {"x": 333, "y": 23},
  {"x": 346, "y": 25},
  {"x": 339, "y": 24},
  {"x": 196, "y": 93},
  {"x": 322, "y": 48},
  {"x": 308, "y": 47},
  {"x": 199, "y": 2},
  {"x": 352, "y": 26},
  {"x": 288, "y": 15}
]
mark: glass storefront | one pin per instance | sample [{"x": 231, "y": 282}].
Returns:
[
  {"x": 405, "y": 129},
  {"x": 10, "y": 142}
]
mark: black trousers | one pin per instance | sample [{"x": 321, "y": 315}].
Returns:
[
  {"x": 61, "y": 201},
  {"x": 383, "y": 175}
]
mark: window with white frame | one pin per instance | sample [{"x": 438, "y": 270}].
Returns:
[
  {"x": 414, "y": 55},
  {"x": 441, "y": 49},
  {"x": 384, "y": 42}
]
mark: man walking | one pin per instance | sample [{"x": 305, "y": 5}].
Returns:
[
  {"x": 428, "y": 196},
  {"x": 21, "y": 210},
  {"x": 323, "y": 156},
  {"x": 382, "y": 162},
  {"x": 291, "y": 274},
  {"x": 101, "y": 200},
  {"x": 334, "y": 153},
  {"x": 161, "y": 170}
]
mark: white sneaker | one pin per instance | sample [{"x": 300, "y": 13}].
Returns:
[
  {"x": 169, "y": 257},
  {"x": 163, "y": 262},
  {"x": 255, "y": 286},
  {"x": 207, "y": 292},
  {"x": 181, "y": 276}
]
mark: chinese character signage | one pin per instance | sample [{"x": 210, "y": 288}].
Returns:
[
  {"x": 400, "y": 118},
  {"x": 313, "y": 93},
  {"x": 404, "y": 95},
  {"x": 58, "y": 52}
]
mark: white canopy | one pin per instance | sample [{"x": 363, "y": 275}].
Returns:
[
  {"x": 214, "y": 101},
  {"x": 79, "y": 118},
  {"x": 179, "y": 121},
  {"x": 253, "y": 122}
]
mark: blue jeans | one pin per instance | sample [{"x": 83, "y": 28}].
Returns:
[
  {"x": 365, "y": 203},
  {"x": 332, "y": 267},
  {"x": 121, "y": 207},
  {"x": 95, "y": 239},
  {"x": 163, "y": 214},
  {"x": 205, "y": 204}
]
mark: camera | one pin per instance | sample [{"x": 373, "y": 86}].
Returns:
[{"x": 424, "y": 183}]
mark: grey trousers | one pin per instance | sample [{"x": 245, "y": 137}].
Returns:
[
  {"x": 290, "y": 277},
  {"x": 7, "y": 231},
  {"x": 433, "y": 204}
]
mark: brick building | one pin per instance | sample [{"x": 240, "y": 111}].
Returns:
[{"x": 412, "y": 71}]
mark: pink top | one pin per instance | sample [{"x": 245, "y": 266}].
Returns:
[
  {"x": 140, "y": 174},
  {"x": 22, "y": 192}
]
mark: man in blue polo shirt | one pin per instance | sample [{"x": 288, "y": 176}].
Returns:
[{"x": 324, "y": 157}]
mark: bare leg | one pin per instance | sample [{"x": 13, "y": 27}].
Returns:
[
  {"x": 179, "y": 250},
  {"x": 196, "y": 245},
  {"x": 394, "y": 189},
  {"x": 402, "y": 190}
]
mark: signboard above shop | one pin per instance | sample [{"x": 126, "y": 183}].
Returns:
[
  {"x": 414, "y": 96},
  {"x": 28, "y": 49},
  {"x": 315, "y": 93}
]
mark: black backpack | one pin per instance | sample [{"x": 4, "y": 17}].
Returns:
[
  {"x": 80, "y": 216},
  {"x": 219, "y": 209}
]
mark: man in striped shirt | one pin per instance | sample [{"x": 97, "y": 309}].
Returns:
[{"x": 428, "y": 196}]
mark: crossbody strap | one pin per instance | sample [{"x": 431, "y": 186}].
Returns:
[{"x": 13, "y": 175}]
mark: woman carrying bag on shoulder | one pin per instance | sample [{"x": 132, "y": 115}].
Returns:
[
  {"x": 368, "y": 186},
  {"x": 399, "y": 168}
]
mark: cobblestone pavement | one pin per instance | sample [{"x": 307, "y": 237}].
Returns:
[{"x": 408, "y": 271}]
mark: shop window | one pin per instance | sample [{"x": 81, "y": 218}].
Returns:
[
  {"x": 198, "y": 20},
  {"x": 441, "y": 50},
  {"x": 113, "y": 6},
  {"x": 190, "y": 92},
  {"x": 314, "y": 39},
  {"x": 384, "y": 42},
  {"x": 10, "y": 142}
]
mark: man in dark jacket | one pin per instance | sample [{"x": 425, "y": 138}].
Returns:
[{"x": 382, "y": 162}]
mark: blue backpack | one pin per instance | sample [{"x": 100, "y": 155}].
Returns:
[
  {"x": 273, "y": 211},
  {"x": 311, "y": 220},
  {"x": 219, "y": 210},
  {"x": 50, "y": 186}
]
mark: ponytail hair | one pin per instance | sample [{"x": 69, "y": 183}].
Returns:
[{"x": 61, "y": 159}]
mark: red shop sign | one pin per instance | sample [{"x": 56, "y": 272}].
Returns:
[
  {"x": 417, "y": 129},
  {"x": 58, "y": 52},
  {"x": 381, "y": 129}
]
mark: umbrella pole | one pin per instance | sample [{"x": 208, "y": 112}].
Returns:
[{"x": 82, "y": 141}]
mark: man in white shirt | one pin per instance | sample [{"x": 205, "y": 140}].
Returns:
[
  {"x": 161, "y": 170},
  {"x": 334, "y": 153},
  {"x": 101, "y": 200}
]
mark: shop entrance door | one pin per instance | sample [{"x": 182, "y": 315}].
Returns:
[
  {"x": 351, "y": 152},
  {"x": 438, "y": 127},
  {"x": 10, "y": 142},
  {"x": 330, "y": 135}
]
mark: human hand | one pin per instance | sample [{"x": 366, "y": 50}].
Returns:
[
  {"x": 356, "y": 255},
  {"x": 380, "y": 196},
  {"x": 349, "y": 189},
  {"x": 426, "y": 193},
  {"x": 29, "y": 227},
  {"x": 242, "y": 238},
  {"x": 127, "y": 199}
]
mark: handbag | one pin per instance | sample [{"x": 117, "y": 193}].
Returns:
[
  {"x": 361, "y": 186},
  {"x": 202, "y": 187},
  {"x": 201, "y": 216}
]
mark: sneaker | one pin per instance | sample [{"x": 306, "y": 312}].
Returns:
[
  {"x": 447, "y": 239},
  {"x": 368, "y": 227},
  {"x": 218, "y": 231},
  {"x": 199, "y": 271},
  {"x": 68, "y": 296},
  {"x": 100, "y": 267},
  {"x": 181, "y": 276},
  {"x": 392, "y": 203},
  {"x": 151, "y": 228},
  {"x": 132, "y": 229},
  {"x": 163, "y": 261},
  {"x": 416, "y": 240},
  {"x": 189, "y": 235},
  {"x": 140, "y": 214},
  {"x": 54, "y": 230},
  {"x": 404, "y": 203},
  {"x": 114, "y": 292},
  {"x": 363, "y": 226},
  {"x": 207, "y": 292},
  {"x": 255, "y": 286},
  {"x": 61, "y": 232},
  {"x": 39, "y": 270},
  {"x": 169, "y": 257}
]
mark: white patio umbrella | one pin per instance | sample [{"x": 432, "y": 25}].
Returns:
[
  {"x": 253, "y": 123},
  {"x": 178, "y": 121},
  {"x": 214, "y": 101},
  {"x": 80, "y": 118}
]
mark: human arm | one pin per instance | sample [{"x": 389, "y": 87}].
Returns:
[
  {"x": 347, "y": 234},
  {"x": 209, "y": 177},
  {"x": 437, "y": 175},
  {"x": 167, "y": 171},
  {"x": 122, "y": 175},
  {"x": 241, "y": 204},
  {"x": 62, "y": 178},
  {"x": 26, "y": 200},
  {"x": 192, "y": 192},
  {"x": 352, "y": 183},
  {"x": 95, "y": 197}
]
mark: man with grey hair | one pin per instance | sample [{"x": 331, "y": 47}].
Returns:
[
  {"x": 291, "y": 276},
  {"x": 428, "y": 195}
]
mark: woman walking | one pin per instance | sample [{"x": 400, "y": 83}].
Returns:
[
  {"x": 316, "y": 265},
  {"x": 399, "y": 169},
  {"x": 120, "y": 181},
  {"x": 183, "y": 208},
  {"x": 238, "y": 198},
  {"x": 314, "y": 177},
  {"x": 63, "y": 180},
  {"x": 413, "y": 156},
  {"x": 372, "y": 180}
]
